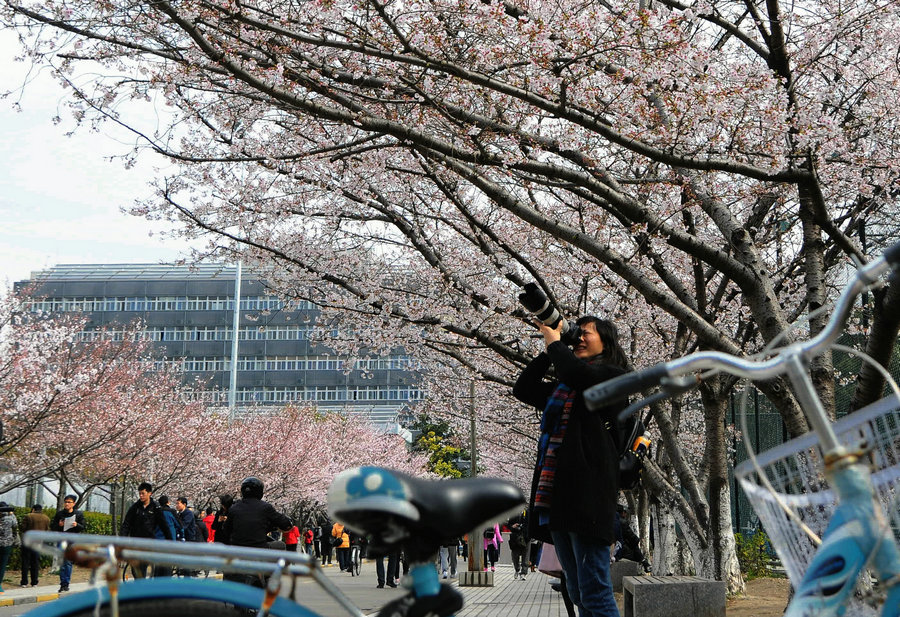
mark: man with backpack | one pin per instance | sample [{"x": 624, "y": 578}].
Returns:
[{"x": 171, "y": 517}]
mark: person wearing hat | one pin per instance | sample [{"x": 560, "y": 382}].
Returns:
[
  {"x": 9, "y": 536},
  {"x": 35, "y": 520},
  {"x": 69, "y": 520}
]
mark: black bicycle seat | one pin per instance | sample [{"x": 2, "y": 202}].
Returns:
[{"x": 392, "y": 508}]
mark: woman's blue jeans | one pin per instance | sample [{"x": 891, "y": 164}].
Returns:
[{"x": 585, "y": 562}]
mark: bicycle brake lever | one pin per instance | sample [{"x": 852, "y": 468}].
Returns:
[{"x": 669, "y": 386}]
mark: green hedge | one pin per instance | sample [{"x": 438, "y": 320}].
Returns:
[
  {"x": 754, "y": 553},
  {"x": 95, "y": 522}
]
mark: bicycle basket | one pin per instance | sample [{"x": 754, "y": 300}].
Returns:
[{"x": 795, "y": 472}]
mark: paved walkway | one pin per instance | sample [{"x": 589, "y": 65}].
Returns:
[{"x": 508, "y": 597}]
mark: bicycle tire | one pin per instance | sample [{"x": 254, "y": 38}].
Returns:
[
  {"x": 357, "y": 561},
  {"x": 182, "y": 607},
  {"x": 170, "y": 596}
]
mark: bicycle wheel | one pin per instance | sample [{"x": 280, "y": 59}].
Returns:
[
  {"x": 171, "y": 596},
  {"x": 357, "y": 561},
  {"x": 168, "y": 606},
  {"x": 127, "y": 573}
]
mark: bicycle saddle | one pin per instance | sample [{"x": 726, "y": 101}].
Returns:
[{"x": 392, "y": 508}]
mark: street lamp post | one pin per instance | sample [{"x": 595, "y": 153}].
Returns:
[{"x": 235, "y": 332}]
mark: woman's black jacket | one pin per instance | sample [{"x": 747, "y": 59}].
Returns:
[{"x": 585, "y": 485}]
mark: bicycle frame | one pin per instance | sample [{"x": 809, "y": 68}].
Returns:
[
  {"x": 105, "y": 553},
  {"x": 856, "y": 534}
]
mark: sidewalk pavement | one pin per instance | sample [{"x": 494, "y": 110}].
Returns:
[{"x": 531, "y": 597}]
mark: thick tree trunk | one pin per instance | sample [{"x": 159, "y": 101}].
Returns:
[
  {"x": 703, "y": 516},
  {"x": 880, "y": 345},
  {"x": 720, "y": 561},
  {"x": 670, "y": 554}
]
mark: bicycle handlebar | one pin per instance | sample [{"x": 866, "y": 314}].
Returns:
[{"x": 624, "y": 386}]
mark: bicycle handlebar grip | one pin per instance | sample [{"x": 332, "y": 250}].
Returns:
[
  {"x": 892, "y": 256},
  {"x": 624, "y": 386}
]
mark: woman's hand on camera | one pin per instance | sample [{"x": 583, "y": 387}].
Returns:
[{"x": 551, "y": 335}]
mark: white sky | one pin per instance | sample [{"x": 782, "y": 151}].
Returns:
[{"x": 60, "y": 196}]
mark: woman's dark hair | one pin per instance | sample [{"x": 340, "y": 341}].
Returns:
[
  {"x": 226, "y": 500},
  {"x": 612, "y": 351}
]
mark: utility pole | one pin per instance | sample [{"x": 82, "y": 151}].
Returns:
[{"x": 475, "y": 577}]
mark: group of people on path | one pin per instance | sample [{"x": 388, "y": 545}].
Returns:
[
  {"x": 248, "y": 521},
  {"x": 66, "y": 519}
]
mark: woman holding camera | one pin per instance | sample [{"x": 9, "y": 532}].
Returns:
[{"x": 575, "y": 483}]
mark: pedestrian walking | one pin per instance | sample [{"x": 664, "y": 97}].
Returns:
[
  {"x": 68, "y": 520},
  {"x": 35, "y": 520},
  {"x": 390, "y": 576},
  {"x": 208, "y": 520},
  {"x": 145, "y": 519},
  {"x": 308, "y": 541},
  {"x": 518, "y": 544},
  {"x": 492, "y": 540},
  {"x": 447, "y": 556},
  {"x": 218, "y": 526},
  {"x": 9, "y": 536},
  {"x": 291, "y": 539},
  {"x": 250, "y": 521},
  {"x": 327, "y": 543}
]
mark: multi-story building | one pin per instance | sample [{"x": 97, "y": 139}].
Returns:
[{"x": 189, "y": 312}]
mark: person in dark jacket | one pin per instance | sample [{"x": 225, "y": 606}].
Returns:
[
  {"x": 518, "y": 544},
  {"x": 69, "y": 520},
  {"x": 218, "y": 526},
  {"x": 187, "y": 519},
  {"x": 171, "y": 517},
  {"x": 628, "y": 544},
  {"x": 249, "y": 522},
  {"x": 145, "y": 519},
  {"x": 575, "y": 483},
  {"x": 250, "y": 519},
  {"x": 31, "y": 560}
]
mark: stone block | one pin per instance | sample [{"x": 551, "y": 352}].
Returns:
[
  {"x": 476, "y": 579},
  {"x": 673, "y": 596},
  {"x": 620, "y": 569}
]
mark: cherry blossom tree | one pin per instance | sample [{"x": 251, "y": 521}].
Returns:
[
  {"x": 295, "y": 452},
  {"x": 83, "y": 409},
  {"x": 90, "y": 409},
  {"x": 696, "y": 171}
]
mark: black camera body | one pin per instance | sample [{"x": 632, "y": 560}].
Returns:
[{"x": 534, "y": 300}]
